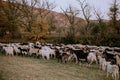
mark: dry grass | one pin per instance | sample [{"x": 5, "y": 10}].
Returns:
[{"x": 26, "y": 68}]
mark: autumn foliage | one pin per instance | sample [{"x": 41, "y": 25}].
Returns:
[{"x": 35, "y": 21}]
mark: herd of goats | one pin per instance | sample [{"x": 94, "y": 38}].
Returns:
[{"x": 108, "y": 58}]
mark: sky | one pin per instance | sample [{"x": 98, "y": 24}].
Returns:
[{"x": 101, "y": 5}]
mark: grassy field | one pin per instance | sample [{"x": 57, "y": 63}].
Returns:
[{"x": 26, "y": 68}]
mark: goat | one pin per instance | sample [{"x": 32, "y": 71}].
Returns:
[
  {"x": 9, "y": 50},
  {"x": 16, "y": 50},
  {"x": 45, "y": 52},
  {"x": 79, "y": 54},
  {"x": 102, "y": 63},
  {"x": 113, "y": 70},
  {"x": 91, "y": 57},
  {"x": 58, "y": 54},
  {"x": 117, "y": 60},
  {"x": 115, "y": 73},
  {"x": 33, "y": 51},
  {"x": 109, "y": 56},
  {"x": 24, "y": 49}
]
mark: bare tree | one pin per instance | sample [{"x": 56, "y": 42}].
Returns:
[
  {"x": 86, "y": 10},
  {"x": 114, "y": 13},
  {"x": 71, "y": 16},
  {"x": 28, "y": 16},
  {"x": 99, "y": 15},
  {"x": 100, "y": 29}
]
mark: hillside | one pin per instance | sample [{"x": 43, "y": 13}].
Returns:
[{"x": 31, "y": 21}]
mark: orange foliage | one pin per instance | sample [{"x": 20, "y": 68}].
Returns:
[{"x": 39, "y": 32}]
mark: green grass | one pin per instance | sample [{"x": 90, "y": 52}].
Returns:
[{"x": 26, "y": 68}]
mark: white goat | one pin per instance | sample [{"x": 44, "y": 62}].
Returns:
[
  {"x": 102, "y": 63},
  {"x": 91, "y": 58},
  {"x": 9, "y": 50},
  {"x": 113, "y": 70},
  {"x": 52, "y": 52},
  {"x": 17, "y": 51},
  {"x": 45, "y": 52},
  {"x": 115, "y": 73},
  {"x": 49, "y": 51}
]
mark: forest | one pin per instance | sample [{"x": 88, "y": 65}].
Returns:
[{"x": 36, "y": 21}]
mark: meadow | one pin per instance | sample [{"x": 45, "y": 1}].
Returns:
[{"x": 29, "y": 68}]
